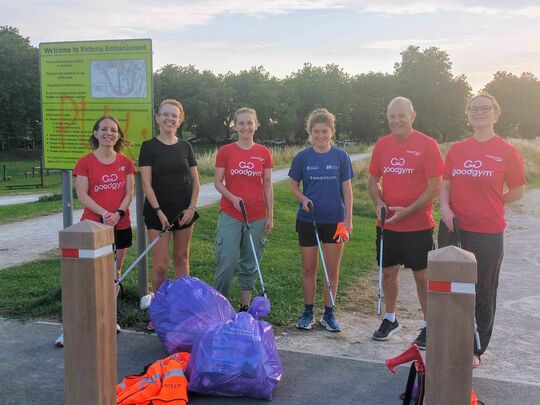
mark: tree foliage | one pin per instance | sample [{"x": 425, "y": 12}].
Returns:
[
  {"x": 358, "y": 101},
  {"x": 19, "y": 87}
]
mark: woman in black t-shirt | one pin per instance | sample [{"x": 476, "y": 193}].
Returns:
[{"x": 171, "y": 184}]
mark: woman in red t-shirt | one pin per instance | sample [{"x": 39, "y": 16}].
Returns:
[
  {"x": 476, "y": 171},
  {"x": 243, "y": 172},
  {"x": 104, "y": 183}
]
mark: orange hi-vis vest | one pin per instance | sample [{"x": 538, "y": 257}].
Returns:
[{"x": 163, "y": 383}]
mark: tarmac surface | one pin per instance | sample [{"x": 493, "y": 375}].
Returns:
[{"x": 322, "y": 367}]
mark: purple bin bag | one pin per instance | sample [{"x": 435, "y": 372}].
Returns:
[
  {"x": 183, "y": 309},
  {"x": 237, "y": 358}
]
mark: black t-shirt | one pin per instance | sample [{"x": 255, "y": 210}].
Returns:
[{"x": 170, "y": 165}]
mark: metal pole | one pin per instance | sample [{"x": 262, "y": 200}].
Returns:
[
  {"x": 41, "y": 170},
  {"x": 67, "y": 198},
  {"x": 141, "y": 237}
]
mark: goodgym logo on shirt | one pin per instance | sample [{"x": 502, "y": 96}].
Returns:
[
  {"x": 245, "y": 169},
  {"x": 472, "y": 168},
  {"x": 397, "y": 167},
  {"x": 109, "y": 182}
]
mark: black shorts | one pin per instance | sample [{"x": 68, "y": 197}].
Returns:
[
  {"x": 409, "y": 249},
  {"x": 171, "y": 210},
  {"x": 306, "y": 233},
  {"x": 123, "y": 238}
]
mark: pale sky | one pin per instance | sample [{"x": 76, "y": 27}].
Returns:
[{"x": 481, "y": 37}]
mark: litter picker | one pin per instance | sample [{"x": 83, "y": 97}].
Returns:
[
  {"x": 246, "y": 222},
  {"x": 379, "y": 289},
  {"x": 312, "y": 211}
]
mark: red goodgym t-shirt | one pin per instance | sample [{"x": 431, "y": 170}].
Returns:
[
  {"x": 405, "y": 166},
  {"x": 244, "y": 174},
  {"x": 106, "y": 184},
  {"x": 478, "y": 172}
]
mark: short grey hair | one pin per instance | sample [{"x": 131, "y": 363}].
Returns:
[{"x": 400, "y": 100}]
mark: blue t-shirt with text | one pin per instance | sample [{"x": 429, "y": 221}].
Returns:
[{"x": 321, "y": 175}]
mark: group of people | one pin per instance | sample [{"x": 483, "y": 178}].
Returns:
[{"x": 479, "y": 177}]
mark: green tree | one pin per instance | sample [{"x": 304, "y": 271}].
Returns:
[
  {"x": 519, "y": 98},
  {"x": 19, "y": 88},
  {"x": 438, "y": 96}
]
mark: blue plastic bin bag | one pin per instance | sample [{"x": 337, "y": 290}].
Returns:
[
  {"x": 237, "y": 358},
  {"x": 182, "y": 309}
]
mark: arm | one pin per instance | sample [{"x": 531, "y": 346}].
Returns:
[
  {"x": 81, "y": 188},
  {"x": 346, "y": 190},
  {"x": 375, "y": 192},
  {"x": 269, "y": 200},
  {"x": 447, "y": 215},
  {"x": 297, "y": 193},
  {"x": 431, "y": 191},
  {"x": 195, "y": 188},
  {"x": 219, "y": 176},
  {"x": 146, "y": 179},
  {"x": 513, "y": 194},
  {"x": 126, "y": 201}
]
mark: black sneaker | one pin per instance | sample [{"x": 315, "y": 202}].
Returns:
[
  {"x": 386, "y": 330},
  {"x": 421, "y": 339},
  {"x": 243, "y": 308}
]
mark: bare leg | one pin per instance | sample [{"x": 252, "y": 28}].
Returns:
[
  {"x": 309, "y": 272},
  {"x": 420, "y": 277},
  {"x": 160, "y": 259},
  {"x": 332, "y": 259},
  {"x": 390, "y": 284},
  {"x": 181, "y": 240}
]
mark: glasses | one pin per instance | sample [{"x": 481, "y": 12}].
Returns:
[
  {"x": 167, "y": 115},
  {"x": 482, "y": 108}
]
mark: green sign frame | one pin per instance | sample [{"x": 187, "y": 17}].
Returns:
[{"x": 80, "y": 82}]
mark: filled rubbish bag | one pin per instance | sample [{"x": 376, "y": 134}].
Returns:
[
  {"x": 183, "y": 309},
  {"x": 236, "y": 358}
]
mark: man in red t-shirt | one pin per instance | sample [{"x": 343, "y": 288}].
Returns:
[{"x": 405, "y": 175}]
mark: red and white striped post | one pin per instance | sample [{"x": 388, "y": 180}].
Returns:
[
  {"x": 450, "y": 326},
  {"x": 89, "y": 314}
]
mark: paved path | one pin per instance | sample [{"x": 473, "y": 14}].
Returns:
[{"x": 29, "y": 240}]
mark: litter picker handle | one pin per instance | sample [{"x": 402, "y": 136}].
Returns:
[
  {"x": 457, "y": 232},
  {"x": 383, "y": 216},
  {"x": 244, "y": 213}
]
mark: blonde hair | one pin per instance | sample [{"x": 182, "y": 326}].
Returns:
[
  {"x": 175, "y": 103},
  {"x": 496, "y": 105},
  {"x": 246, "y": 110},
  {"x": 321, "y": 116}
]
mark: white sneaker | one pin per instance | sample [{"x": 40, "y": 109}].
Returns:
[
  {"x": 59, "y": 341},
  {"x": 118, "y": 329}
]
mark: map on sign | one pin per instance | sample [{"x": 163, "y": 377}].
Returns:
[{"x": 124, "y": 78}]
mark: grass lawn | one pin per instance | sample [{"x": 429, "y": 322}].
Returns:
[{"x": 32, "y": 290}]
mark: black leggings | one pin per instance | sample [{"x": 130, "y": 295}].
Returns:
[{"x": 488, "y": 248}]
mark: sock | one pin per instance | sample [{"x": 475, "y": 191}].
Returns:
[
  {"x": 423, "y": 324},
  {"x": 328, "y": 310},
  {"x": 308, "y": 308},
  {"x": 391, "y": 316}
]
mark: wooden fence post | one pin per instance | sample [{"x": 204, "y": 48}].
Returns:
[
  {"x": 89, "y": 314},
  {"x": 450, "y": 326}
]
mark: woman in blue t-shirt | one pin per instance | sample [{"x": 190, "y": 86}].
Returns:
[{"x": 325, "y": 173}]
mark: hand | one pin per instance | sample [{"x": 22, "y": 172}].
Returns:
[
  {"x": 236, "y": 202},
  {"x": 163, "y": 219},
  {"x": 378, "y": 207},
  {"x": 305, "y": 202},
  {"x": 399, "y": 214},
  {"x": 269, "y": 225},
  {"x": 187, "y": 216},
  {"x": 447, "y": 216},
  {"x": 348, "y": 224},
  {"x": 108, "y": 218}
]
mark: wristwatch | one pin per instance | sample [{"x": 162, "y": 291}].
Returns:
[
  {"x": 121, "y": 213},
  {"x": 193, "y": 207},
  {"x": 157, "y": 209}
]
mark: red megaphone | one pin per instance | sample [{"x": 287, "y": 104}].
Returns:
[{"x": 411, "y": 354}]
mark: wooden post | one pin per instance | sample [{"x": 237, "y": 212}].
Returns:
[
  {"x": 89, "y": 312},
  {"x": 450, "y": 333}
]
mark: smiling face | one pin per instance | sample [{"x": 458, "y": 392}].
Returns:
[
  {"x": 107, "y": 133},
  {"x": 482, "y": 113},
  {"x": 400, "y": 117},
  {"x": 245, "y": 124},
  {"x": 168, "y": 118},
  {"x": 320, "y": 136}
]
